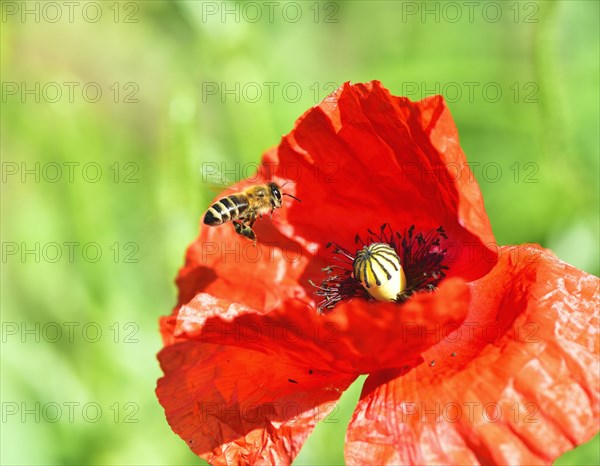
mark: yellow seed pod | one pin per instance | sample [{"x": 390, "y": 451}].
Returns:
[{"x": 377, "y": 268}]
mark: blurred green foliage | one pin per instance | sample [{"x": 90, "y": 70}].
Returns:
[{"x": 541, "y": 131}]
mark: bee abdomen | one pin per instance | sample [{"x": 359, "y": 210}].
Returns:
[{"x": 226, "y": 209}]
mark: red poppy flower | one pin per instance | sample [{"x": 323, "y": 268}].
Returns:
[{"x": 489, "y": 355}]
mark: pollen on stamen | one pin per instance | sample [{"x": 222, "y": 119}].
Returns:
[{"x": 389, "y": 266}]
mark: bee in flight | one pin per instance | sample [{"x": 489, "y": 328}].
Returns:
[{"x": 245, "y": 207}]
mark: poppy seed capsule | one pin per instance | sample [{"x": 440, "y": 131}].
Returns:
[{"x": 377, "y": 268}]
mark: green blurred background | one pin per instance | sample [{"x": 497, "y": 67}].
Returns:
[{"x": 522, "y": 86}]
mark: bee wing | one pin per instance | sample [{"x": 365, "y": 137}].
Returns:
[
  {"x": 217, "y": 188},
  {"x": 214, "y": 180}
]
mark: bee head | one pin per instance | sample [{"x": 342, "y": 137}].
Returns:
[{"x": 276, "y": 194}]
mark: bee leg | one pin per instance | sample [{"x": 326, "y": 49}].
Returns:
[{"x": 245, "y": 230}]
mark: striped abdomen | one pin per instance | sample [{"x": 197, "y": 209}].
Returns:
[{"x": 226, "y": 209}]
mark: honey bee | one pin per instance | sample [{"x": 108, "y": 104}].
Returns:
[{"x": 244, "y": 208}]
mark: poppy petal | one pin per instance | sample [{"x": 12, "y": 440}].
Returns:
[
  {"x": 517, "y": 383},
  {"x": 237, "y": 406},
  {"x": 359, "y": 337},
  {"x": 393, "y": 161}
]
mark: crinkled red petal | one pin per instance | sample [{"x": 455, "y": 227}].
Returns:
[
  {"x": 522, "y": 388},
  {"x": 359, "y": 337},
  {"x": 234, "y": 406},
  {"x": 364, "y": 157}
]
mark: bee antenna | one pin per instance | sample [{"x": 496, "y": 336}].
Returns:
[
  {"x": 287, "y": 181},
  {"x": 293, "y": 197}
]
